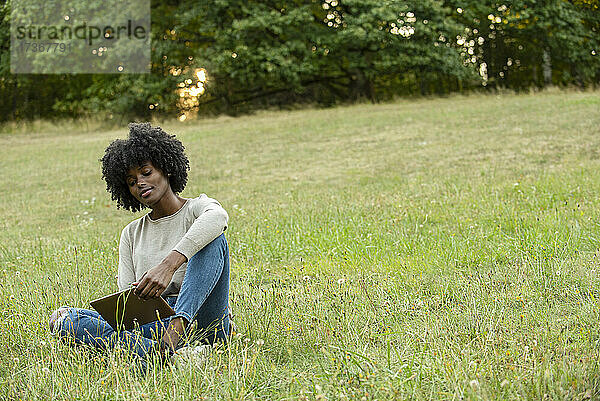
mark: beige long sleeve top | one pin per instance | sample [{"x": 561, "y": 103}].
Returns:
[{"x": 146, "y": 242}]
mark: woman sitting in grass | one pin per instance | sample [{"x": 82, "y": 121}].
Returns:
[{"x": 177, "y": 251}]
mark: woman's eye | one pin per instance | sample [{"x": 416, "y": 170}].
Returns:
[{"x": 146, "y": 173}]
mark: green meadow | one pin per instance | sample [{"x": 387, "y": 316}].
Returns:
[{"x": 443, "y": 248}]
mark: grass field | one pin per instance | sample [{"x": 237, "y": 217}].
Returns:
[{"x": 431, "y": 249}]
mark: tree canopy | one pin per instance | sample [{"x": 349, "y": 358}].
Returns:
[{"x": 230, "y": 56}]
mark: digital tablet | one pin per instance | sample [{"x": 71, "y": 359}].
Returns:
[{"x": 124, "y": 310}]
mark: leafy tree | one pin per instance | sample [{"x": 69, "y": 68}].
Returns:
[
  {"x": 281, "y": 52},
  {"x": 518, "y": 42},
  {"x": 307, "y": 50}
]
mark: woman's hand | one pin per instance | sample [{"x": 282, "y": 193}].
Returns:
[{"x": 156, "y": 280}]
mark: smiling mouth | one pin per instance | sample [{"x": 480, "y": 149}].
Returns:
[{"x": 145, "y": 192}]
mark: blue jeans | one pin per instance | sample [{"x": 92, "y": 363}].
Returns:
[{"x": 203, "y": 301}]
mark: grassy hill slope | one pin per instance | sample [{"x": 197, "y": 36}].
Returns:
[{"x": 435, "y": 249}]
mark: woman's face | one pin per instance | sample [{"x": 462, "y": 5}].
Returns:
[{"x": 147, "y": 184}]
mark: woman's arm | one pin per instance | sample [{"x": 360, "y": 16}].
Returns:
[
  {"x": 210, "y": 220},
  {"x": 154, "y": 281},
  {"x": 125, "y": 271}
]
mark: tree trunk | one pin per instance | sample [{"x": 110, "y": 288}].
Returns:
[
  {"x": 547, "y": 68},
  {"x": 361, "y": 86}
]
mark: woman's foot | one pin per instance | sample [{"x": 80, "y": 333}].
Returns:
[
  {"x": 195, "y": 356},
  {"x": 57, "y": 318}
]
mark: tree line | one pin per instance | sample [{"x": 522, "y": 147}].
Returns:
[{"x": 232, "y": 56}]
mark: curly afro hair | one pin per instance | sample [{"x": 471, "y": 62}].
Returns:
[{"x": 145, "y": 143}]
